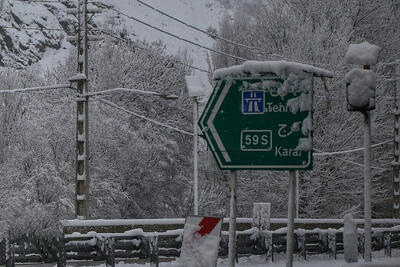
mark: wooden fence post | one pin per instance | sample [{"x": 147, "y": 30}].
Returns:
[
  {"x": 10, "y": 261},
  {"x": 109, "y": 251},
  {"x": 153, "y": 244},
  {"x": 61, "y": 259}
]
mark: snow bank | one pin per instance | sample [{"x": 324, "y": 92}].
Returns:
[
  {"x": 360, "y": 88},
  {"x": 281, "y": 68},
  {"x": 362, "y": 54}
]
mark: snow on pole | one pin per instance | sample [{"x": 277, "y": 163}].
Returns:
[
  {"x": 196, "y": 88},
  {"x": 350, "y": 241},
  {"x": 360, "y": 94},
  {"x": 360, "y": 89},
  {"x": 362, "y": 54}
]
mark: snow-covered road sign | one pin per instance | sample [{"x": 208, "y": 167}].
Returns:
[
  {"x": 260, "y": 122},
  {"x": 200, "y": 241}
]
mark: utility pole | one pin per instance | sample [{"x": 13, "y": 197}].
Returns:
[
  {"x": 195, "y": 159},
  {"x": 396, "y": 162},
  {"x": 367, "y": 182},
  {"x": 82, "y": 175}
]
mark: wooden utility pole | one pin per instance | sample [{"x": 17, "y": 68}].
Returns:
[{"x": 396, "y": 162}]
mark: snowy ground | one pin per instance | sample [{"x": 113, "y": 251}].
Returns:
[{"x": 259, "y": 261}]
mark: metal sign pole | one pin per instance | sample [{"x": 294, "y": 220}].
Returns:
[
  {"x": 367, "y": 183},
  {"x": 290, "y": 227},
  {"x": 195, "y": 159},
  {"x": 232, "y": 220}
]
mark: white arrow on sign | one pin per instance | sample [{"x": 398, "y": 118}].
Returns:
[{"x": 212, "y": 117}]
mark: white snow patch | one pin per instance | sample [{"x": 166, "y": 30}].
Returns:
[
  {"x": 360, "y": 88},
  {"x": 281, "y": 68},
  {"x": 305, "y": 144},
  {"x": 306, "y": 127},
  {"x": 362, "y": 54},
  {"x": 197, "y": 85}
]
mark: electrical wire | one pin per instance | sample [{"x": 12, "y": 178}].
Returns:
[
  {"x": 152, "y": 52},
  {"x": 174, "y": 35},
  {"x": 322, "y": 153},
  {"x": 109, "y": 103},
  {"x": 32, "y": 28},
  {"x": 211, "y": 35},
  {"x": 358, "y": 164},
  {"x": 32, "y": 89}
]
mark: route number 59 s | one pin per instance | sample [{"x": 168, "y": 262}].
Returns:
[{"x": 256, "y": 140}]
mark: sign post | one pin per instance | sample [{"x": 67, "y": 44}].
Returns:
[
  {"x": 251, "y": 124},
  {"x": 232, "y": 221},
  {"x": 290, "y": 227},
  {"x": 259, "y": 117}
]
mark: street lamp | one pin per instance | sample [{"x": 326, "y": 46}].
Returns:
[{"x": 196, "y": 89}]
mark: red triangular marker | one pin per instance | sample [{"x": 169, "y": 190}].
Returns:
[{"x": 207, "y": 224}]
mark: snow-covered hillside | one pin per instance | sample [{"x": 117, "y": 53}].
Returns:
[{"x": 22, "y": 44}]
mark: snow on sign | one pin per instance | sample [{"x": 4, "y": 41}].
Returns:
[
  {"x": 200, "y": 241},
  {"x": 259, "y": 116}
]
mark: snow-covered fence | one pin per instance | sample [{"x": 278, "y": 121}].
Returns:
[
  {"x": 31, "y": 249},
  {"x": 137, "y": 244},
  {"x": 111, "y": 240}
]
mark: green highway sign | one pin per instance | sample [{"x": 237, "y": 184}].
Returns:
[{"x": 260, "y": 123}]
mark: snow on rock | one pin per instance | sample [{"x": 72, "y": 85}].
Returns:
[
  {"x": 280, "y": 68},
  {"x": 362, "y": 54},
  {"x": 360, "y": 88},
  {"x": 197, "y": 250}
]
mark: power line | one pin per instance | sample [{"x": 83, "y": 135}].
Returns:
[
  {"x": 32, "y": 28},
  {"x": 322, "y": 153},
  {"x": 152, "y": 52},
  {"x": 174, "y": 35},
  {"x": 135, "y": 91},
  {"x": 31, "y": 89},
  {"x": 211, "y": 35},
  {"x": 145, "y": 118}
]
